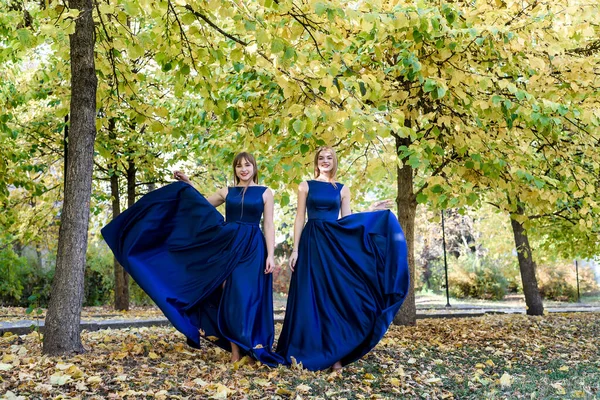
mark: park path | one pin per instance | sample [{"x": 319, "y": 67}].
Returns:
[{"x": 95, "y": 318}]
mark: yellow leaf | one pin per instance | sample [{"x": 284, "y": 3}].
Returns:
[
  {"x": 8, "y": 358},
  {"x": 120, "y": 356},
  {"x": 480, "y": 365},
  {"x": 303, "y": 388},
  {"x": 506, "y": 380},
  {"x": 153, "y": 355},
  {"x": 563, "y": 368},
  {"x": 94, "y": 380},
  {"x": 394, "y": 381},
  {"x": 240, "y": 363},
  {"x": 262, "y": 382},
  {"x": 284, "y": 391},
  {"x": 559, "y": 389},
  {"x": 212, "y": 338},
  {"x": 62, "y": 367},
  {"x": 490, "y": 363},
  {"x": 74, "y": 371},
  {"x": 221, "y": 391},
  {"x": 433, "y": 380}
]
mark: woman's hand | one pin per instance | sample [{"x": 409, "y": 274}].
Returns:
[
  {"x": 180, "y": 176},
  {"x": 293, "y": 259},
  {"x": 270, "y": 265}
]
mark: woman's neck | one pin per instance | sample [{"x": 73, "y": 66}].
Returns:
[
  {"x": 242, "y": 184},
  {"x": 323, "y": 177}
]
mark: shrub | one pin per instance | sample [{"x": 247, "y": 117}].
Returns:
[
  {"x": 11, "y": 272},
  {"x": 559, "y": 281},
  {"x": 477, "y": 277}
]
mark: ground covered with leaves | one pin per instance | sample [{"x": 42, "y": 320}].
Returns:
[{"x": 508, "y": 356}]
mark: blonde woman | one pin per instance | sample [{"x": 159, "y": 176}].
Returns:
[{"x": 350, "y": 274}]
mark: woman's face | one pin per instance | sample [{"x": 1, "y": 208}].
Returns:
[
  {"x": 325, "y": 162},
  {"x": 244, "y": 170}
]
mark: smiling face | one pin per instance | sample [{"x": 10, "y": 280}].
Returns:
[
  {"x": 244, "y": 169},
  {"x": 326, "y": 163}
]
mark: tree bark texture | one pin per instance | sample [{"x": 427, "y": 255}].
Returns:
[
  {"x": 407, "y": 211},
  {"x": 121, "y": 276},
  {"x": 62, "y": 331},
  {"x": 533, "y": 299}
]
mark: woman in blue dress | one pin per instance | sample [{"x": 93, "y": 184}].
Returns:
[
  {"x": 350, "y": 275},
  {"x": 210, "y": 277}
]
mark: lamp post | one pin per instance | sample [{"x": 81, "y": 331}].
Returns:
[
  {"x": 445, "y": 262},
  {"x": 577, "y": 277}
]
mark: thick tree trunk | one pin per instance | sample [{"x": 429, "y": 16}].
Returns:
[
  {"x": 533, "y": 300},
  {"x": 121, "y": 276},
  {"x": 62, "y": 332},
  {"x": 407, "y": 211}
]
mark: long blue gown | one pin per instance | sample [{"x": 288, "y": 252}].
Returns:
[
  {"x": 350, "y": 279},
  {"x": 180, "y": 250}
]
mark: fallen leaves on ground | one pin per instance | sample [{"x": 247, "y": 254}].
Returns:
[{"x": 508, "y": 356}]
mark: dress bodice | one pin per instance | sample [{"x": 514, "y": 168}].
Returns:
[
  {"x": 324, "y": 200},
  {"x": 244, "y": 207}
]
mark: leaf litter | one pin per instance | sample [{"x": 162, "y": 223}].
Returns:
[{"x": 500, "y": 356}]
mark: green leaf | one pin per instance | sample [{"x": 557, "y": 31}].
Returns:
[
  {"x": 414, "y": 161},
  {"x": 277, "y": 45},
  {"x": 430, "y": 85},
  {"x": 440, "y": 92},
  {"x": 320, "y": 8},
  {"x": 299, "y": 126},
  {"x": 437, "y": 189},
  {"x": 421, "y": 198},
  {"x": 290, "y": 52}
]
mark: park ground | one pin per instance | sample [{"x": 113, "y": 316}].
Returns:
[{"x": 494, "y": 356}]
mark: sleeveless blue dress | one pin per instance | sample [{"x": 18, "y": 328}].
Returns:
[
  {"x": 350, "y": 279},
  {"x": 180, "y": 250}
]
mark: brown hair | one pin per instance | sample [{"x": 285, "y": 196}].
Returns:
[
  {"x": 335, "y": 162},
  {"x": 238, "y": 159}
]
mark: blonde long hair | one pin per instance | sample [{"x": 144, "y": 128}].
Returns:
[{"x": 335, "y": 163}]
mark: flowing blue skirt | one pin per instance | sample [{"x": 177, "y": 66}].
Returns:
[
  {"x": 179, "y": 250},
  {"x": 350, "y": 280}
]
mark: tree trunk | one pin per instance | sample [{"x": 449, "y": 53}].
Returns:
[
  {"x": 62, "y": 332},
  {"x": 407, "y": 211},
  {"x": 121, "y": 276},
  {"x": 131, "y": 171},
  {"x": 527, "y": 267}
]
